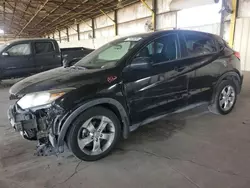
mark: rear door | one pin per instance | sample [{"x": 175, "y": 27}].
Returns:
[
  {"x": 19, "y": 61},
  {"x": 47, "y": 56},
  {"x": 200, "y": 51},
  {"x": 160, "y": 88}
]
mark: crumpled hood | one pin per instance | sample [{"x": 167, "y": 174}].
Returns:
[{"x": 59, "y": 78}]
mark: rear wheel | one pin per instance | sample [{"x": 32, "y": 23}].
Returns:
[
  {"x": 94, "y": 134},
  {"x": 225, "y": 98}
]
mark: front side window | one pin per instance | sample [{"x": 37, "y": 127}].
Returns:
[
  {"x": 44, "y": 47},
  {"x": 19, "y": 50},
  {"x": 163, "y": 49},
  {"x": 198, "y": 44}
]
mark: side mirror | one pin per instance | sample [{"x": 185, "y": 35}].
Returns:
[
  {"x": 5, "y": 54},
  {"x": 141, "y": 63}
]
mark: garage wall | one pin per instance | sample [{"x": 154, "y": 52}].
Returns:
[
  {"x": 130, "y": 19},
  {"x": 196, "y": 18},
  {"x": 134, "y": 19},
  {"x": 242, "y": 41},
  {"x": 243, "y": 10},
  {"x": 242, "y": 34}
]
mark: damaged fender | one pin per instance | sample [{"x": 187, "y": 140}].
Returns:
[{"x": 84, "y": 107}]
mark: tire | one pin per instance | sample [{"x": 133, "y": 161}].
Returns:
[
  {"x": 216, "y": 106},
  {"x": 89, "y": 131}
]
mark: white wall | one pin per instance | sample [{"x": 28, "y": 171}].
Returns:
[
  {"x": 244, "y": 7},
  {"x": 242, "y": 34},
  {"x": 184, "y": 4},
  {"x": 166, "y": 21},
  {"x": 242, "y": 41},
  {"x": 202, "y": 16},
  {"x": 132, "y": 19}
]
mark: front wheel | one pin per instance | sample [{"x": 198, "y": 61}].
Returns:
[
  {"x": 94, "y": 134},
  {"x": 225, "y": 98}
]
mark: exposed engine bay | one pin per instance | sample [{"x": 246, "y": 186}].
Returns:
[{"x": 38, "y": 125}]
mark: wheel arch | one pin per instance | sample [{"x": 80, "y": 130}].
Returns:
[
  {"x": 232, "y": 75},
  {"x": 108, "y": 103}
]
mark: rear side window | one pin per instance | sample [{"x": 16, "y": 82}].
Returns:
[
  {"x": 19, "y": 50},
  {"x": 44, "y": 47},
  {"x": 199, "y": 44}
]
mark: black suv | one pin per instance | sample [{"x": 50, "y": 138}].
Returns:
[{"x": 123, "y": 85}]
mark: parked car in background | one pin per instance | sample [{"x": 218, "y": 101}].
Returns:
[
  {"x": 73, "y": 55},
  {"x": 24, "y": 57},
  {"x": 123, "y": 85}
]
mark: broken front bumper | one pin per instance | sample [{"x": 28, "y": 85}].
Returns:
[
  {"x": 43, "y": 125},
  {"x": 23, "y": 121}
]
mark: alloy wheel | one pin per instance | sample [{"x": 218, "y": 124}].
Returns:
[
  {"x": 227, "y": 98},
  {"x": 96, "y": 135}
]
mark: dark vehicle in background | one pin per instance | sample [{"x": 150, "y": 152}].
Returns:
[
  {"x": 73, "y": 55},
  {"x": 123, "y": 85},
  {"x": 24, "y": 57}
]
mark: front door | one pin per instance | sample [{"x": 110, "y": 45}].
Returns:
[
  {"x": 160, "y": 87},
  {"x": 17, "y": 61},
  {"x": 46, "y": 56}
]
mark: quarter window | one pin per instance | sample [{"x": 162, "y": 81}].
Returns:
[
  {"x": 198, "y": 44},
  {"x": 44, "y": 47},
  {"x": 19, "y": 50}
]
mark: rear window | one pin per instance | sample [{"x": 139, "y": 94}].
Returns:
[
  {"x": 199, "y": 44},
  {"x": 44, "y": 47}
]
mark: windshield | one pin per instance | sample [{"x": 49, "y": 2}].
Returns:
[{"x": 109, "y": 54}]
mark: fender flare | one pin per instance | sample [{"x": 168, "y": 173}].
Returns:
[
  {"x": 84, "y": 107},
  {"x": 232, "y": 75}
]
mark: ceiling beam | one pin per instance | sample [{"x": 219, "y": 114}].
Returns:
[
  {"x": 25, "y": 11},
  {"x": 51, "y": 12},
  {"x": 70, "y": 20},
  {"x": 4, "y": 12},
  {"x": 39, "y": 16},
  {"x": 64, "y": 14},
  {"x": 13, "y": 16},
  {"x": 84, "y": 11},
  {"x": 20, "y": 9},
  {"x": 32, "y": 18}
]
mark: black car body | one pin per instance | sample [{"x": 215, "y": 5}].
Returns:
[
  {"x": 132, "y": 81},
  {"x": 24, "y": 57}
]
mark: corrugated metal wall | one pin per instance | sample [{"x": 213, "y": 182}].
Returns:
[
  {"x": 242, "y": 41},
  {"x": 210, "y": 28},
  {"x": 132, "y": 19}
]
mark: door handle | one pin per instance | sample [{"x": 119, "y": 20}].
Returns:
[{"x": 179, "y": 69}]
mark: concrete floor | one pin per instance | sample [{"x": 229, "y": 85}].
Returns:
[{"x": 194, "y": 149}]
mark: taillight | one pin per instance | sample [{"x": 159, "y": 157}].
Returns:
[{"x": 237, "y": 54}]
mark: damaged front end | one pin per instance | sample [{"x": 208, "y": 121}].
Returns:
[{"x": 41, "y": 123}]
